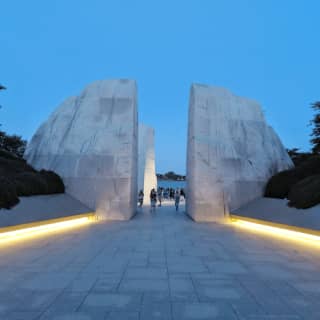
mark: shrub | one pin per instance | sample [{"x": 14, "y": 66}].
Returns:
[
  {"x": 306, "y": 193},
  {"x": 8, "y": 195},
  {"x": 12, "y": 143},
  {"x": 20, "y": 179},
  {"x": 30, "y": 183},
  {"x": 8, "y": 155},
  {"x": 54, "y": 182},
  {"x": 10, "y": 167},
  {"x": 280, "y": 184}
]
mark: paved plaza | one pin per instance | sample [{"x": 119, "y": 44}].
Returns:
[{"x": 159, "y": 266}]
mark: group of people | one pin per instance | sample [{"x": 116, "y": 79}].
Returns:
[{"x": 160, "y": 194}]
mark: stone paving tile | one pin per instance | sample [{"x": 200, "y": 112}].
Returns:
[
  {"x": 92, "y": 315},
  {"x": 47, "y": 281},
  {"x": 65, "y": 303},
  {"x": 304, "y": 307},
  {"x": 22, "y": 315},
  {"x": 271, "y": 271},
  {"x": 83, "y": 283},
  {"x": 156, "y": 297},
  {"x": 123, "y": 315},
  {"x": 161, "y": 266},
  {"x": 227, "y": 268},
  {"x": 144, "y": 285},
  {"x": 225, "y": 290},
  {"x": 33, "y": 301},
  {"x": 203, "y": 311},
  {"x": 271, "y": 317},
  {"x": 156, "y": 311},
  {"x": 106, "y": 284},
  {"x": 113, "y": 301},
  {"x": 146, "y": 273},
  {"x": 245, "y": 310}
]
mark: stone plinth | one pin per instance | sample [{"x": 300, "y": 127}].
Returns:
[
  {"x": 147, "y": 178},
  {"x": 232, "y": 153},
  {"x": 91, "y": 142}
]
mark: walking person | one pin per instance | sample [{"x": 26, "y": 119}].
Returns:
[
  {"x": 182, "y": 193},
  {"x": 177, "y": 199},
  {"x": 140, "y": 198},
  {"x": 160, "y": 196},
  {"x": 171, "y": 194},
  {"x": 153, "y": 200}
]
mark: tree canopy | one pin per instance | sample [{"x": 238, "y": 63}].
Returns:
[
  {"x": 12, "y": 143},
  {"x": 315, "y": 122}
]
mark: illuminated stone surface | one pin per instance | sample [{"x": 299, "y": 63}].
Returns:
[
  {"x": 277, "y": 211},
  {"x": 160, "y": 266},
  {"x": 42, "y": 208},
  {"x": 147, "y": 178},
  {"x": 91, "y": 142},
  {"x": 232, "y": 152}
]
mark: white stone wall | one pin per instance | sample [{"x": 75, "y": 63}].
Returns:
[
  {"x": 232, "y": 152},
  {"x": 147, "y": 178},
  {"x": 91, "y": 142}
]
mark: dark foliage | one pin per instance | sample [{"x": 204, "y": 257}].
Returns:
[
  {"x": 54, "y": 182},
  {"x": 281, "y": 184},
  {"x": 7, "y": 155},
  {"x": 12, "y": 143},
  {"x": 306, "y": 193},
  {"x": 8, "y": 195},
  {"x": 171, "y": 176},
  {"x": 299, "y": 157},
  {"x": 17, "y": 178},
  {"x": 30, "y": 183},
  {"x": 315, "y": 122},
  {"x": 10, "y": 167}
]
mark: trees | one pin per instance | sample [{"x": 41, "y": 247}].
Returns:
[
  {"x": 171, "y": 175},
  {"x": 12, "y": 143},
  {"x": 298, "y": 156},
  {"x": 315, "y": 122}
]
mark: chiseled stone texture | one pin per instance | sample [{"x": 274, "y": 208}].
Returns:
[
  {"x": 91, "y": 142},
  {"x": 147, "y": 178},
  {"x": 232, "y": 152}
]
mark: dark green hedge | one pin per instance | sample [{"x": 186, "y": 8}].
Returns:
[
  {"x": 54, "y": 182},
  {"x": 8, "y": 194},
  {"x": 306, "y": 193},
  {"x": 17, "y": 178},
  {"x": 280, "y": 184},
  {"x": 286, "y": 184}
]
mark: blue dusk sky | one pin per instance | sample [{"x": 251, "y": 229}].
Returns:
[{"x": 268, "y": 50}]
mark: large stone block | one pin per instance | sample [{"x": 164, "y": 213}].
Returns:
[
  {"x": 232, "y": 152},
  {"x": 91, "y": 142},
  {"x": 147, "y": 178}
]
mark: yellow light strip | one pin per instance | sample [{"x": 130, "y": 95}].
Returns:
[
  {"x": 276, "y": 231},
  {"x": 44, "y": 228}
]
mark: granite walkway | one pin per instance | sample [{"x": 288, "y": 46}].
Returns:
[{"x": 161, "y": 266}]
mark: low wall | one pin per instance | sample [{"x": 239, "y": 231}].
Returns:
[
  {"x": 276, "y": 212},
  {"x": 41, "y": 208}
]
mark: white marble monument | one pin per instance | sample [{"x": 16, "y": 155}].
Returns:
[
  {"x": 91, "y": 141},
  {"x": 232, "y": 152},
  {"x": 147, "y": 178}
]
